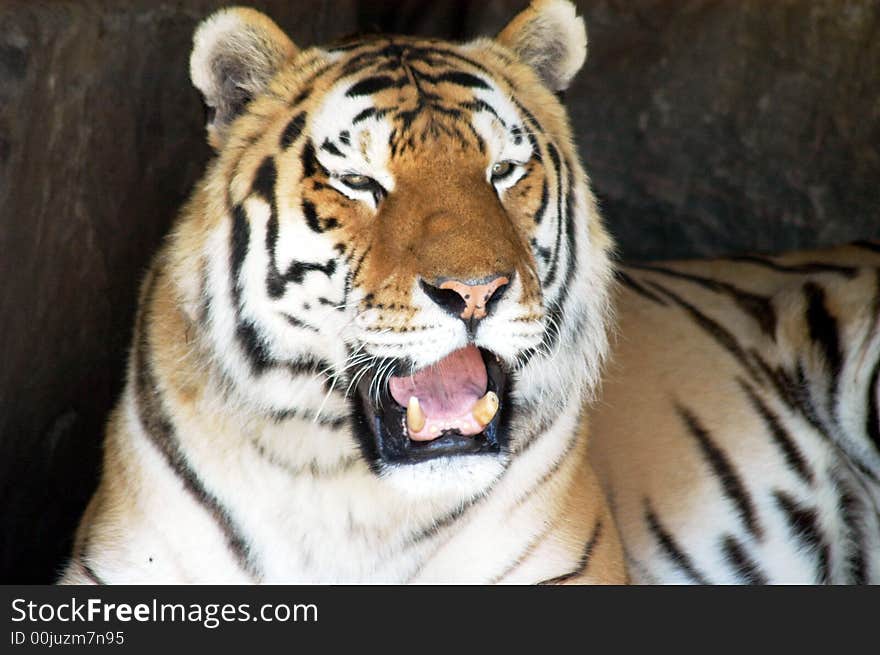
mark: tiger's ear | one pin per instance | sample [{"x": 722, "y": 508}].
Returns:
[
  {"x": 550, "y": 37},
  {"x": 236, "y": 53}
]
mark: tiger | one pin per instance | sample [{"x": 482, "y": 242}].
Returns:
[
  {"x": 737, "y": 434},
  {"x": 364, "y": 352}
]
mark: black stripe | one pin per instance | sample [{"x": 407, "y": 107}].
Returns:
[
  {"x": 443, "y": 522},
  {"x": 545, "y": 198},
  {"x": 160, "y": 429},
  {"x": 307, "y": 365},
  {"x": 310, "y": 213},
  {"x": 481, "y": 142},
  {"x": 246, "y": 332},
  {"x": 530, "y": 118},
  {"x": 556, "y": 307},
  {"x": 302, "y": 95},
  {"x": 671, "y": 547},
  {"x": 731, "y": 483},
  {"x": 362, "y": 60},
  {"x": 804, "y": 524},
  {"x": 293, "y": 130},
  {"x": 478, "y": 105},
  {"x": 875, "y": 308},
  {"x": 275, "y": 285},
  {"x": 264, "y": 185},
  {"x": 81, "y": 558},
  {"x": 872, "y": 421},
  {"x": 254, "y": 348},
  {"x": 570, "y": 232},
  {"x": 345, "y": 137},
  {"x": 308, "y": 84},
  {"x": 265, "y": 179},
  {"x": 317, "y": 223},
  {"x": 90, "y": 574},
  {"x": 309, "y": 161},
  {"x": 516, "y": 132},
  {"x": 823, "y": 330},
  {"x": 549, "y": 474},
  {"x": 238, "y": 247},
  {"x": 823, "y": 326},
  {"x": 586, "y": 556},
  {"x": 784, "y": 441},
  {"x": 744, "y": 566},
  {"x": 370, "y": 85},
  {"x": 809, "y": 267},
  {"x": 354, "y": 44},
  {"x": 851, "y": 511},
  {"x": 795, "y": 393},
  {"x": 297, "y": 270},
  {"x": 357, "y": 267},
  {"x": 363, "y": 115},
  {"x": 526, "y": 441},
  {"x": 758, "y": 307},
  {"x": 631, "y": 284},
  {"x": 329, "y": 421},
  {"x": 457, "y": 77},
  {"x": 536, "y": 149},
  {"x": 557, "y": 172},
  {"x": 524, "y": 555},
  {"x": 714, "y": 329},
  {"x": 554, "y": 318},
  {"x": 298, "y": 323},
  {"x": 542, "y": 253},
  {"x": 329, "y": 146},
  {"x": 426, "y": 53}
]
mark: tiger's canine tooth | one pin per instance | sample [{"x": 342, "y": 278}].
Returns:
[
  {"x": 415, "y": 417},
  {"x": 485, "y": 408}
]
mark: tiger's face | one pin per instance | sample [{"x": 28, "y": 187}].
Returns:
[{"x": 408, "y": 241}]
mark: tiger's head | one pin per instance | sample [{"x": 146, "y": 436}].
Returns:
[{"x": 400, "y": 241}]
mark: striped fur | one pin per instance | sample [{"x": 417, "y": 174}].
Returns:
[
  {"x": 237, "y": 452},
  {"x": 737, "y": 435}
]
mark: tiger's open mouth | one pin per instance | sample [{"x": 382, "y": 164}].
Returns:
[{"x": 456, "y": 406}]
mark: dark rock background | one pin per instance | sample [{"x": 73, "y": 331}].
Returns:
[{"x": 708, "y": 128}]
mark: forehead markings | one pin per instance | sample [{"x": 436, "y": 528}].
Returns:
[
  {"x": 397, "y": 58},
  {"x": 391, "y": 65},
  {"x": 384, "y": 49}
]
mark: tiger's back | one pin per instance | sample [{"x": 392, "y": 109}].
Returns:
[{"x": 737, "y": 431}]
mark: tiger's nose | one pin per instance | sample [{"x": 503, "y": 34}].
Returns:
[{"x": 469, "y": 300}]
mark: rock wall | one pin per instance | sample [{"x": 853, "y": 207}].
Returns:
[{"x": 707, "y": 127}]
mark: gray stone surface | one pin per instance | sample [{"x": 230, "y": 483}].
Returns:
[
  {"x": 716, "y": 127},
  {"x": 708, "y": 127}
]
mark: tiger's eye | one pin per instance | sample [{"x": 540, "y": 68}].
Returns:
[
  {"x": 356, "y": 181},
  {"x": 502, "y": 169}
]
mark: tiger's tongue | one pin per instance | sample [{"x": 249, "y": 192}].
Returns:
[{"x": 447, "y": 391}]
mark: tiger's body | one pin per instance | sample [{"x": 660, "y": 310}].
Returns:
[{"x": 737, "y": 432}]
